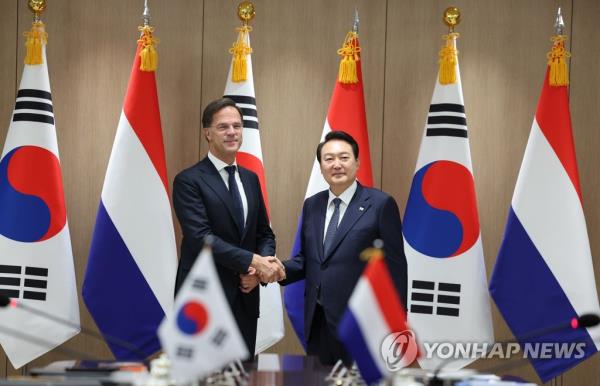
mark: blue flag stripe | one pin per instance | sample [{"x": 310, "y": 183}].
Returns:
[
  {"x": 351, "y": 334},
  {"x": 520, "y": 269},
  {"x": 127, "y": 308},
  {"x": 293, "y": 296}
]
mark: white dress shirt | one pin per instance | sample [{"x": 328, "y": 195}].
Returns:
[
  {"x": 220, "y": 165},
  {"x": 346, "y": 197}
]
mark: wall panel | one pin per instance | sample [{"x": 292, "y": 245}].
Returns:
[
  {"x": 502, "y": 51},
  {"x": 585, "y": 94}
]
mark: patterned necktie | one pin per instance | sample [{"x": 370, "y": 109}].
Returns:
[
  {"x": 332, "y": 227},
  {"x": 235, "y": 197}
]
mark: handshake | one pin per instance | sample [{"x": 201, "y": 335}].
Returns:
[{"x": 266, "y": 269}]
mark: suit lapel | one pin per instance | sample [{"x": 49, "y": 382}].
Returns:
[
  {"x": 214, "y": 180},
  {"x": 320, "y": 222},
  {"x": 357, "y": 208}
]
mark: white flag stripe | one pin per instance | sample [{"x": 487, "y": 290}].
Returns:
[
  {"x": 365, "y": 309},
  {"x": 127, "y": 195}
]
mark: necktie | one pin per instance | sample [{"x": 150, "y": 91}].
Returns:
[
  {"x": 235, "y": 197},
  {"x": 332, "y": 227}
]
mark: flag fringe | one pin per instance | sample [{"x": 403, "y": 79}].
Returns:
[
  {"x": 148, "y": 53},
  {"x": 36, "y": 38},
  {"x": 350, "y": 53},
  {"x": 240, "y": 50},
  {"x": 448, "y": 59},
  {"x": 557, "y": 60}
]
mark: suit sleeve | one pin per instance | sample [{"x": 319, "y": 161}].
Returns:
[
  {"x": 265, "y": 238},
  {"x": 195, "y": 225},
  {"x": 390, "y": 229},
  {"x": 295, "y": 267}
]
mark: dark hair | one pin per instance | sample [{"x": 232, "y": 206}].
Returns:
[
  {"x": 339, "y": 135},
  {"x": 214, "y": 107}
]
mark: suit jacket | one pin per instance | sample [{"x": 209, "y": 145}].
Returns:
[
  {"x": 204, "y": 206},
  {"x": 371, "y": 214}
]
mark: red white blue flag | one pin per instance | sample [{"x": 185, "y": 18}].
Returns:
[
  {"x": 544, "y": 276},
  {"x": 36, "y": 261},
  {"x": 374, "y": 329},
  {"x": 447, "y": 285},
  {"x": 346, "y": 112},
  {"x": 130, "y": 277}
]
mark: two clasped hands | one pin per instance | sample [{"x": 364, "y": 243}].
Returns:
[{"x": 266, "y": 269}]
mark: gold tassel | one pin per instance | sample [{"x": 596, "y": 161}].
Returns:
[
  {"x": 36, "y": 38},
  {"x": 240, "y": 50},
  {"x": 557, "y": 60},
  {"x": 350, "y": 53},
  {"x": 448, "y": 59},
  {"x": 148, "y": 54}
]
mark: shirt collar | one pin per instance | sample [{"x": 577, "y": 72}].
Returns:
[
  {"x": 346, "y": 195},
  {"x": 220, "y": 165}
]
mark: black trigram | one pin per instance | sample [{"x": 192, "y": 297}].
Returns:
[
  {"x": 199, "y": 284},
  {"x": 248, "y": 106},
  {"x": 424, "y": 299},
  {"x": 32, "y": 285},
  {"x": 446, "y": 119},
  {"x": 219, "y": 336},
  {"x": 34, "y": 106},
  {"x": 184, "y": 352}
]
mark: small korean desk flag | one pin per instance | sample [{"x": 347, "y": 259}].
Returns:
[{"x": 200, "y": 335}]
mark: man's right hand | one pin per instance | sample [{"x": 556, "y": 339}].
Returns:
[{"x": 268, "y": 268}]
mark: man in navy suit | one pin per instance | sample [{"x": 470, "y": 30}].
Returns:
[
  {"x": 337, "y": 225},
  {"x": 216, "y": 197}
]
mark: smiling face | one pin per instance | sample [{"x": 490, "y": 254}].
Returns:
[
  {"x": 224, "y": 135},
  {"x": 338, "y": 165}
]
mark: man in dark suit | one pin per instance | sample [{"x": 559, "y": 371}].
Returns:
[
  {"x": 337, "y": 225},
  {"x": 215, "y": 197}
]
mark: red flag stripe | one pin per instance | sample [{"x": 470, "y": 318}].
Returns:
[
  {"x": 386, "y": 294},
  {"x": 251, "y": 162},
  {"x": 554, "y": 118},
  {"x": 142, "y": 112},
  {"x": 347, "y": 113}
]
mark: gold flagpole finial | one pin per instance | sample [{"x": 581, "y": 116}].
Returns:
[
  {"x": 558, "y": 55},
  {"x": 448, "y": 53},
  {"x": 241, "y": 49},
  {"x": 246, "y": 12},
  {"x": 451, "y": 17},
  {"x": 37, "y": 7},
  {"x": 36, "y": 36},
  {"x": 374, "y": 252}
]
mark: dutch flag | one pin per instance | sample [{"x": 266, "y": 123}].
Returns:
[{"x": 130, "y": 277}]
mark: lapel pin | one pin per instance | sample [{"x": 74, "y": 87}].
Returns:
[{"x": 361, "y": 208}]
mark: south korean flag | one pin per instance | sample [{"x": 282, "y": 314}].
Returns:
[{"x": 200, "y": 335}]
